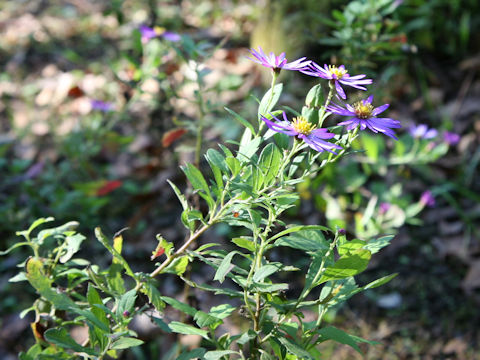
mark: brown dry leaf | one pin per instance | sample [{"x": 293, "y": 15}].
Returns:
[{"x": 456, "y": 346}]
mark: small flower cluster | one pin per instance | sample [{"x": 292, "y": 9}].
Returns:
[{"x": 362, "y": 114}]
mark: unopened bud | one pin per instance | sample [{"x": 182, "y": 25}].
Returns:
[
  {"x": 126, "y": 313},
  {"x": 342, "y": 231}
]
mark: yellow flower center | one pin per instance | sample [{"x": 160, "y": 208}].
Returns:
[
  {"x": 363, "y": 111},
  {"x": 159, "y": 30},
  {"x": 302, "y": 126},
  {"x": 338, "y": 72}
]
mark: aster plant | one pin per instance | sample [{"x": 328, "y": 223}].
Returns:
[{"x": 249, "y": 187}]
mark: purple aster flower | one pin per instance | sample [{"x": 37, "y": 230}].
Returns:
[
  {"x": 427, "y": 199},
  {"x": 101, "y": 105},
  {"x": 339, "y": 75},
  {"x": 277, "y": 63},
  {"x": 422, "y": 132},
  {"x": 148, "y": 33},
  {"x": 302, "y": 129},
  {"x": 384, "y": 207},
  {"x": 365, "y": 116},
  {"x": 451, "y": 138}
]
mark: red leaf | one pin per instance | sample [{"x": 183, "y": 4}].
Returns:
[
  {"x": 159, "y": 251},
  {"x": 75, "y": 92},
  {"x": 170, "y": 136},
  {"x": 108, "y": 187}
]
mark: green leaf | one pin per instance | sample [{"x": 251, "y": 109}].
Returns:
[
  {"x": 177, "y": 266},
  {"x": 196, "y": 178},
  {"x": 126, "y": 302},
  {"x": 248, "y": 148},
  {"x": 5, "y": 252},
  {"x": 185, "y": 329},
  {"x": 332, "y": 333},
  {"x": 350, "y": 246},
  {"x": 161, "y": 324},
  {"x": 180, "y": 196},
  {"x": 265, "y": 271},
  {"x": 348, "y": 265},
  {"x": 222, "y": 311},
  {"x": 73, "y": 243},
  {"x": 153, "y": 295},
  {"x": 241, "y": 120},
  {"x": 194, "y": 354},
  {"x": 180, "y": 306},
  {"x": 298, "y": 228},
  {"x": 269, "y": 164},
  {"x": 126, "y": 342},
  {"x": 216, "y": 159},
  {"x": 40, "y": 281},
  {"x": 61, "y": 338},
  {"x": 203, "y": 319},
  {"x": 224, "y": 267},
  {"x": 269, "y": 288},
  {"x": 376, "y": 245},
  {"x": 35, "y": 224},
  {"x": 294, "y": 348},
  {"x": 306, "y": 240},
  {"x": 315, "y": 97},
  {"x": 267, "y": 104},
  {"x": 312, "y": 272},
  {"x": 93, "y": 297},
  {"x": 245, "y": 243},
  {"x": 379, "y": 282},
  {"x": 217, "y": 354}
]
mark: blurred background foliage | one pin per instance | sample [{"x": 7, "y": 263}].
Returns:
[{"x": 93, "y": 120}]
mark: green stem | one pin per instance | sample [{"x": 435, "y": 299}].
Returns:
[
  {"x": 323, "y": 113},
  {"x": 270, "y": 99},
  {"x": 200, "y": 123}
]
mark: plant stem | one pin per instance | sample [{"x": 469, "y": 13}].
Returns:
[
  {"x": 323, "y": 114},
  {"x": 270, "y": 99}
]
